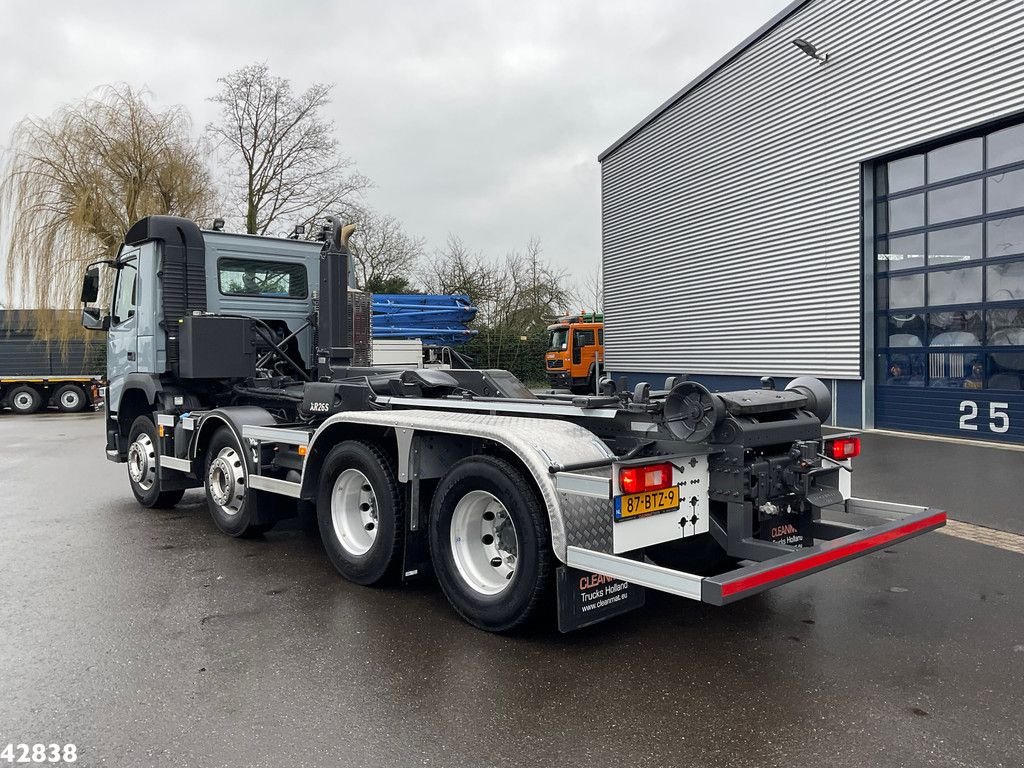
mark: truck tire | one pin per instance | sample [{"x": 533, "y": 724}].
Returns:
[
  {"x": 361, "y": 513},
  {"x": 233, "y": 506},
  {"x": 24, "y": 400},
  {"x": 699, "y": 555},
  {"x": 71, "y": 398},
  {"x": 586, "y": 387},
  {"x": 144, "y": 467},
  {"x": 490, "y": 543}
]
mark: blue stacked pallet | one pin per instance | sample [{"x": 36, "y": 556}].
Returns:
[{"x": 435, "y": 319}]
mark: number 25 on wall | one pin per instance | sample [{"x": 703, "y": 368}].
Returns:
[{"x": 998, "y": 418}]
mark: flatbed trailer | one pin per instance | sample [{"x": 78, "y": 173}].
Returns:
[
  {"x": 30, "y": 393},
  {"x": 513, "y": 501}
]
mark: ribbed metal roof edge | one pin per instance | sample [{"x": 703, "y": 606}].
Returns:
[{"x": 707, "y": 74}]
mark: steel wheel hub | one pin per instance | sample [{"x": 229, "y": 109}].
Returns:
[
  {"x": 23, "y": 400},
  {"x": 226, "y": 481},
  {"x": 142, "y": 462},
  {"x": 69, "y": 399},
  {"x": 354, "y": 512},
  {"x": 484, "y": 542}
]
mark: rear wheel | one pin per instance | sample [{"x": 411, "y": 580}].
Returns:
[
  {"x": 232, "y": 505},
  {"x": 490, "y": 543},
  {"x": 71, "y": 398},
  {"x": 25, "y": 400},
  {"x": 144, "y": 467},
  {"x": 360, "y": 513}
]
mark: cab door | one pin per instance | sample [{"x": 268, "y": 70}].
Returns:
[
  {"x": 584, "y": 351},
  {"x": 123, "y": 336}
]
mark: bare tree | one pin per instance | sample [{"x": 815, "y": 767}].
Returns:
[
  {"x": 456, "y": 269},
  {"x": 516, "y": 294},
  {"x": 287, "y": 165},
  {"x": 590, "y": 292},
  {"x": 530, "y": 291},
  {"x": 73, "y": 183},
  {"x": 387, "y": 258}
]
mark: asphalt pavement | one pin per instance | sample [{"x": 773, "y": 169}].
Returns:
[{"x": 147, "y": 638}]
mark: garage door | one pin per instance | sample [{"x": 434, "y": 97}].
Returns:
[{"x": 949, "y": 288}]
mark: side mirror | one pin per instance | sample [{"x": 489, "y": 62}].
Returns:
[
  {"x": 91, "y": 285},
  {"x": 93, "y": 319}
]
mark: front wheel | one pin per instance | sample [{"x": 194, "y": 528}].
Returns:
[
  {"x": 588, "y": 387},
  {"x": 490, "y": 543},
  {"x": 144, "y": 467}
]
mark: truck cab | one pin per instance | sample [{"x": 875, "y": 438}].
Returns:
[
  {"x": 167, "y": 273},
  {"x": 575, "y": 352}
]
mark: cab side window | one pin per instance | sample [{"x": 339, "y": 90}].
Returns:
[
  {"x": 124, "y": 294},
  {"x": 584, "y": 338}
]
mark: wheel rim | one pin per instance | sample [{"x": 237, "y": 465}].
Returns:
[
  {"x": 23, "y": 401},
  {"x": 70, "y": 399},
  {"x": 354, "y": 512},
  {"x": 484, "y": 542},
  {"x": 226, "y": 481},
  {"x": 142, "y": 462}
]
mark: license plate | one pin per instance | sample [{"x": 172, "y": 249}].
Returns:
[{"x": 647, "y": 503}]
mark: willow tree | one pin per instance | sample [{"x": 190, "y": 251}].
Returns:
[{"x": 74, "y": 182}]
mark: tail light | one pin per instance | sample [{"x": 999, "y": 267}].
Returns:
[
  {"x": 650, "y": 477},
  {"x": 842, "y": 448}
]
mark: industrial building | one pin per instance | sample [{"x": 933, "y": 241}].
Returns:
[{"x": 841, "y": 196}]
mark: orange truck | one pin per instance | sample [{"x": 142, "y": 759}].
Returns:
[{"x": 575, "y": 352}]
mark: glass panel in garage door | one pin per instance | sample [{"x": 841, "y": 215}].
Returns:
[
  {"x": 954, "y": 245},
  {"x": 1005, "y": 147},
  {"x": 897, "y": 253},
  {"x": 1004, "y": 237}
]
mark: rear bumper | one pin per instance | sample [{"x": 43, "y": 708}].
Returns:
[
  {"x": 749, "y": 580},
  {"x": 902, "y": 522}
]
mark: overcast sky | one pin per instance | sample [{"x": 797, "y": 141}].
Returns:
[{"x": 482, "y": 119}]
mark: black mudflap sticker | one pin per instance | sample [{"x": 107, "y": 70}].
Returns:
[{"x": 587, "y": 598}]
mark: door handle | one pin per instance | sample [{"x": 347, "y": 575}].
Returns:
[{"x": 131, "y": 355}]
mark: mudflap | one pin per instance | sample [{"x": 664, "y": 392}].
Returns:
[
  {"x": 587, "y": 598},
  {"x": 415, "y": 557}
]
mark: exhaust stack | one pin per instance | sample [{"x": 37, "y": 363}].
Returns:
[{"x": 334, "y": 347}]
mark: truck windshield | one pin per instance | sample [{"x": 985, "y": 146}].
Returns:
[
  {"x": 269, "y": 279},
  {"x": 559, "y": 339}
]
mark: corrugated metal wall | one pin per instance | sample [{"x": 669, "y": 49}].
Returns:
[{"x": 732, "y": 223}]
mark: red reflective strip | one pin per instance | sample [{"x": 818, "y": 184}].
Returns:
[{"x": 789, "y": 569}]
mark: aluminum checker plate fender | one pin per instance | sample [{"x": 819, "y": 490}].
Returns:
[{"x": 537, "y": 442}]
